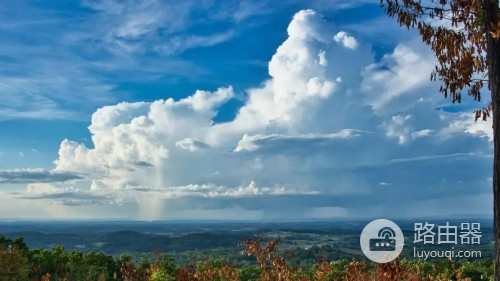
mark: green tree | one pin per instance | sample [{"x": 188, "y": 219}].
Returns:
[
  {"x": 249, "y": 273},
  {"x": 4, "y": 242},
  {"x": 20, "y": 246},
  {"x": 160, "y": 275},
  {"x": 467, "y": 48},
  {"x": 167, "y": 265},
  {"x": 14, "y": 263}
]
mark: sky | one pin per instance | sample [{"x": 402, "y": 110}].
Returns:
[{"x": 229, "y": 110}]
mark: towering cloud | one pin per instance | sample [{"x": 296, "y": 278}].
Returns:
[{"x": 330, "y": 125}]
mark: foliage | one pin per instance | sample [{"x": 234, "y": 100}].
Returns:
[
  {"x": 456, "y": 30},
  {"x": 17, "y": 262},
  {"x": 13, "y": 265}
]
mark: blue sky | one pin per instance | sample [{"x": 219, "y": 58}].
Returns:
[{"x": 221, "y": 109}]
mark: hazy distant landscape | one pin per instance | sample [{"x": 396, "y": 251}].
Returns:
[{"x": 189, "y": 241}]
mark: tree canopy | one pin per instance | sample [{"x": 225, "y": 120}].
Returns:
[{"x": 455, "y": 30}]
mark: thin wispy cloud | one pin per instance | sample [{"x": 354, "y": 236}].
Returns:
[
  {"x": 69, "y": 65},
  {"x": 35, "y": 175},
  {"x": 179, "y": 44}
]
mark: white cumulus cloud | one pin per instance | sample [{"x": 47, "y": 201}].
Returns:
[
  {"x": 319, "y": 137},
  {"x": 346, "y": 40}
]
